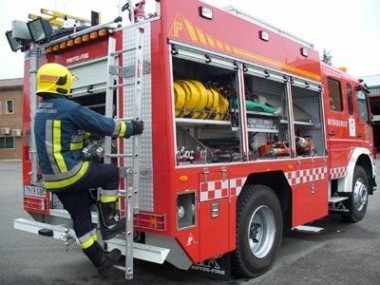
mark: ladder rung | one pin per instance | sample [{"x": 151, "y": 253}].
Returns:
[
  {"x": 121, "y": 85},
  {"x": 123, "y": 269},
  {"x": 118, "y": 52},
  {"x": 125, "y": 119},
  {"x": 121, "y": 154},
  {"x": 334, "y": 200},
  {"x": 123, "y": 192}
]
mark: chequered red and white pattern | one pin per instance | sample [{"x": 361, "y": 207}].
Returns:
[
  {"x": 306, "y": 175},
  {"x": 236, "y": 185},
  {"x": 213, "y": 190},
  {"x": 338, "y": 172}
]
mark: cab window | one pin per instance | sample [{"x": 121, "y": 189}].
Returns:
[
  {"x": 350, "y": 99},
  {"x": 335, "y": 95},
  {"x": 362, "y": 105}
]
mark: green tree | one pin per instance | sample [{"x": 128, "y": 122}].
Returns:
[{"x": 327, "y": 57}]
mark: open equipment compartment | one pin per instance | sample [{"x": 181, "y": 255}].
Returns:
[{"x": 278, "y": 107}]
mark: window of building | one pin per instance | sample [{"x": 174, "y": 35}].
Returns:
[
  {"x": 9, "y": 107},
  {"x": 335, "y": 94},
  {"x": 7, "y": 142}
]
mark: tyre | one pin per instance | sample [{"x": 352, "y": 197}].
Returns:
[
  {"x": 359, "y": 197},
  {"x": 258, "y": 232}
]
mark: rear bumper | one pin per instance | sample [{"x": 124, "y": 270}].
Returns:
[{"x": 140, "y": 251}]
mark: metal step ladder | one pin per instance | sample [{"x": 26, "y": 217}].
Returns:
[{"x": 120, "y": 78}]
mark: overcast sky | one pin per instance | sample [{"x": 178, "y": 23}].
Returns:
[{"x": 348, "y": 29}]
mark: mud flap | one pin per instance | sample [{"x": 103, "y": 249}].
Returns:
[
  {"x": 373, "y": 186},
  {"x": 215, "y": 268}
]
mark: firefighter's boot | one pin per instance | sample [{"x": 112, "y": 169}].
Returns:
[
  {"x": 102, "y": 260},
  {"x": 110, "y": 222}
]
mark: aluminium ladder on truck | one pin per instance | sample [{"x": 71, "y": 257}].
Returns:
[{"x": 121, "y": 78}]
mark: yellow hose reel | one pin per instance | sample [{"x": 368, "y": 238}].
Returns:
[{"x": 194, "y": 100}]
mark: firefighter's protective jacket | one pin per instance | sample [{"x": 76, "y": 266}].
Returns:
[{"x": 59, "y": 127}]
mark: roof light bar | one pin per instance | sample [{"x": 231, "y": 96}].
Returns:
[{"x": 84, "y": 38}]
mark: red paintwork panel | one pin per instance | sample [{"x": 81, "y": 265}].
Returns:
[{"x": 231, "y": 35}]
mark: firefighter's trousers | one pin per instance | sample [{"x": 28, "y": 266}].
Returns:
[{"x": 77, "y": 200}]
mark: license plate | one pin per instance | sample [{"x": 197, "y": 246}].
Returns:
[{"x": 34, "y": 191}]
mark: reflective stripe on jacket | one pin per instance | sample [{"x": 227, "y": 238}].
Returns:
[{"x": 60, "y": 126}]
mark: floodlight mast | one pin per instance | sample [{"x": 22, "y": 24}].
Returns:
[
  {"x": 21, "y": 33},
  {"x": 39, "y": 30},
  {"x": 34, "y": 54}
]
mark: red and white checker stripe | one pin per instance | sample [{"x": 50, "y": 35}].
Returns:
[
  {"x": 306, "y": 175},
  {"x": 236, "y": 184},
  {"x": 338, "y": 172},
  {"x": 213, "y": 190},
  {"x": 218, "y": 189}
]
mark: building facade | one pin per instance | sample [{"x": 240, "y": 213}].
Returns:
[
  {"x": 373, "y": 82},
  {"x": 11, "y": 91}
]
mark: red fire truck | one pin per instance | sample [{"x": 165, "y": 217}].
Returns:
[{"x": 247, "y": 135}]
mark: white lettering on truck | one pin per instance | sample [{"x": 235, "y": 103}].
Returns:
[
  {"x": 77, "y": 58},
  {"x": 337, "y": 123}
]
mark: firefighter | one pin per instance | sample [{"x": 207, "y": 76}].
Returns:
[{"x": 60, "y": 126}]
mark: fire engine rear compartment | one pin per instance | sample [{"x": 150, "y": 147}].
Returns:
[{"x": 208, "y": 132}]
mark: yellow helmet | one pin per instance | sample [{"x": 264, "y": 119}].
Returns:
[{"x": 54, "y": 78}]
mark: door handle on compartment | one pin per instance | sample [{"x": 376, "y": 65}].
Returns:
[{"x": 331, "y": 133}]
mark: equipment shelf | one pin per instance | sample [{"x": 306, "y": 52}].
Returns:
[{"x": 186, "y": 121}]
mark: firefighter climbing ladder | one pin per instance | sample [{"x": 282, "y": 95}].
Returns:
[{"x": 129, "y": 78}]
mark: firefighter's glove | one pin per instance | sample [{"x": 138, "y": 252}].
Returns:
[{"x": 138, "y": 127}]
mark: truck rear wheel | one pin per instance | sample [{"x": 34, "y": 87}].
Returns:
[
  {"x": 359, "y": 196},
  {"x": 258, "y": 232}
]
